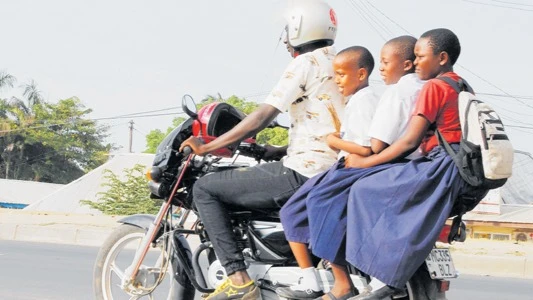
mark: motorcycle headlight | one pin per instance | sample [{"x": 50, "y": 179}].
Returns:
[
  {"x": 154, "y": 174},
  {"x": 158, "y": 189}
]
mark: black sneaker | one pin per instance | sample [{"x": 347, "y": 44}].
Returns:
[
  {"x": 287, "y": 292},
  {"x": 227, "y": 290}
]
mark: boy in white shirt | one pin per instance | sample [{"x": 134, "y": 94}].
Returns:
[{"x": 352, "y": 66}]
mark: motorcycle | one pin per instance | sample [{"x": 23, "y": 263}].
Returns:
[{"x": 151, "y": 257}]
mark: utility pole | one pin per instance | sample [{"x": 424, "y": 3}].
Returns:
[{"x": 131, "y": 135}]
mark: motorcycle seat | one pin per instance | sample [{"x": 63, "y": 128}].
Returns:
[{"x": 266, "y": 215}]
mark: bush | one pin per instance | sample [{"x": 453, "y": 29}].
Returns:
[{"x": 125, "y": 197}]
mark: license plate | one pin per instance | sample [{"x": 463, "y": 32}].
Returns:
[{"x": 440, "y": 264}]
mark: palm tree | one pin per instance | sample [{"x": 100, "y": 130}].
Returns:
[
  {"x": 6, "y": 80},
  {"x": 32, "y": 94}
]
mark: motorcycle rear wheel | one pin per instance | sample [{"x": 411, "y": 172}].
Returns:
[
  {"x": 422, "y": 287},
  {"x": 116, "y": 254}
]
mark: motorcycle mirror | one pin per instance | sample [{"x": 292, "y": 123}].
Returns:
[{"x": 189, "y": 106}]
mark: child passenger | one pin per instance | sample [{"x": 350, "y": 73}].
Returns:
[
  {"x": 395, "y": 216},
  {"x": 351, "y": 66}
]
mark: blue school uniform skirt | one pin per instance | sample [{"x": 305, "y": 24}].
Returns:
[
  {"x": 326, "y": 208},
  {"x": 395, "y": 216},
  {"x": 293, "y": 214}
]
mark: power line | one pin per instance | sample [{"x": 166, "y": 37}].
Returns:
[
  {"x": 513, "y": 3},
  {"x": 383, "y": 14},
  {"x": 494, "y": 86},
  {"x": 151, "y": 111},
  {"x": 355, "y": 8},
  {"x": 506, "y": 109},
  {"x": 504, "y": 95},
  {"x": 524, "y": 131},
  {"x": 516, "y": 126},
  {"x": 138, "y": 116},
  {"x": 85, "y": 120},
  {"x": 135, "y": 128},
  {"x": 376, "y": 20},
  {"x": 486, "y": 81},
  {"x": 495, "y": 5}
]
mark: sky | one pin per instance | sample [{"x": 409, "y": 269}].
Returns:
[{"x": 130, "y": 57}]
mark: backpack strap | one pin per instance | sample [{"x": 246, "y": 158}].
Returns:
[
  {"x": 458, "y": 86},
  {"x": 447, "y": 147}
]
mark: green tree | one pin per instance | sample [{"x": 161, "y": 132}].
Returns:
[
  {"x": 47, "y": 142},
  {"x": 272, "y": 136},
  {"x": 125, "y": 197}
]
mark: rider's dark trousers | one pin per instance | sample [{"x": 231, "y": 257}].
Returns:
[{"x": 266, "y": 185}]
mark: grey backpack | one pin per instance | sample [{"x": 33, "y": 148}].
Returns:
[{"x": 485, "y": 156}]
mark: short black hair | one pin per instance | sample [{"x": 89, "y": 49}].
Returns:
[
  {"x": 442, "y": 39},
  {"x": 405, "y": 46},
  {"x": 366, "y": 60}
]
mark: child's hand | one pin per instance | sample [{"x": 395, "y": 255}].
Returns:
[
  {"x": 355, "y": 161},
  {"x": 336, "y": 134},
  {"x": 332, "y": 139}
]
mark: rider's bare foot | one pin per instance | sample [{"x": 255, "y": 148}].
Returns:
[{"x": 240, "y": 278}]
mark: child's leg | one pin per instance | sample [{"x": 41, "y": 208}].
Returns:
[
  {"x": 308, "y": 285},
  {"x": 301, "y": 253},
  {"x": 293, "y": 216},
  {"x": 303, "y": 257},
  {"x": 343, "y": 283}
]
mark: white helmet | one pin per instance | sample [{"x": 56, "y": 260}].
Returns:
[{"x": 309, "y": 21}]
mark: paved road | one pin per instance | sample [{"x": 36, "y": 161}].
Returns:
[{"x": 64, "y": 272}]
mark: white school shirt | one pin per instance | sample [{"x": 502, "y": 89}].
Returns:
[
  {"x": 358, "y": 116},
  {"x": 305, "y": 90},
  {"x": 395, "y": 109}
]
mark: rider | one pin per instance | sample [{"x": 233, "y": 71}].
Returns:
[{"x": 308, "y": 92}]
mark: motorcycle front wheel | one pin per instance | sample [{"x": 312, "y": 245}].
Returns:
[{"x": 154, "y": 279}]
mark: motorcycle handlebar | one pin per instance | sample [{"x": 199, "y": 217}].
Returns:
[
  {"x": 252, "y": 150},
  {"x": 187, "y": 150}
]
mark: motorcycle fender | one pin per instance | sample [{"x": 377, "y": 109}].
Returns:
[{"x": 142, "y": 221}]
